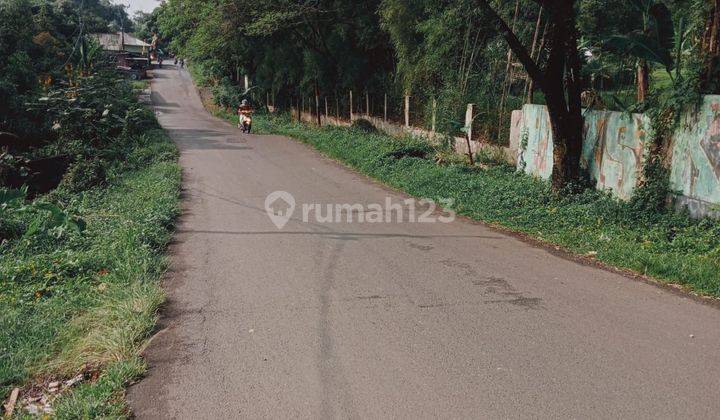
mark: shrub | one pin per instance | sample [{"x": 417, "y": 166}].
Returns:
[
  {"x": 227, "y": 94},
  {"x": 491, "y": 156},
  {"x": 84, "y": 175},
  {"x": 364, "y": 125},
  {"x": 411, "y": 149}
]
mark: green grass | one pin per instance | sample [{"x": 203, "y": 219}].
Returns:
[
  {"x": 87, "y": 301},
  {"x": 670, "y": 246},
  {"x": 140, "y": 84}
]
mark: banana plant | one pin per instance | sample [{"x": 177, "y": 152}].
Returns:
[
  {"x": 658, "y": 42},
  {"x": 88, "y": 54}
]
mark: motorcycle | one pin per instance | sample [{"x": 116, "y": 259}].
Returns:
[{"x": 245, "y": 123}]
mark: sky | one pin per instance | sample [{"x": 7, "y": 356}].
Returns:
[{"x": 139, "y": 5}]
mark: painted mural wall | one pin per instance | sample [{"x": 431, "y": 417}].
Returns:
[
  {"x": 614, "y": 148},
  {"x": 696, "y": 159}
]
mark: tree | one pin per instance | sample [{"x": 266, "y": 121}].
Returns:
[
  {"x": 453, "y": 55},
  {"x": 559, "y": 79},
  {"x": 654, "y": 43}
]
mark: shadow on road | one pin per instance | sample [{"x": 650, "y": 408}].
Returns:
[{"x": 199, "y": 139}]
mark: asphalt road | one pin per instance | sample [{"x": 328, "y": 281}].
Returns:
[{"x": 393, "y": 320}]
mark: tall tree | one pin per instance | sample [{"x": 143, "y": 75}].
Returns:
[{"x": 560, "y": 81}]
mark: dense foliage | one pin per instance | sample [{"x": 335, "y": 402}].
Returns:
[
  {"x": 288, "y": 47},
  {"x": 497, "y": 55},
  {"x": 88, "y": 194},
  {"x": 39, "y": 39},
  {"x": 448, "y": 50}
]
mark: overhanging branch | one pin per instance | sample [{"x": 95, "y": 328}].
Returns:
[{"x": 515, "y": 45}]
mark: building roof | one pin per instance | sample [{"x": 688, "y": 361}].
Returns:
[{"x": 111, "y": 42}]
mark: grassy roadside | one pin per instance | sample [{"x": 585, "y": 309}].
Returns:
[
  {"x": 669, "y": 246},
  {"x": 84, "y": 302}
]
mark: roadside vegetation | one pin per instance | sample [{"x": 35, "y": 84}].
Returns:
[
  {"x": 666, "y": 245},
  {"x": 82, "y": 301},
  {"x": 89, "y": 191}
]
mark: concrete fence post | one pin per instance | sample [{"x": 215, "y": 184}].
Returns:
[
  {"x": 469, "y": 120},
  {"x": 468, "y": 132},
  {"x": 385, "y": 108},
  {"x": 326, "y": 108},
  {"x": 434, "y": 114},
  {"x": 351, "y": 107},
  {"x": 407, "y": 111}
]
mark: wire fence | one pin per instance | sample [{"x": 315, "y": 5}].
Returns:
[{"x": 415, "y": 111}]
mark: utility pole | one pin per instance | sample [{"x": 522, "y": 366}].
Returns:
[{"x": 122, "y": 26}]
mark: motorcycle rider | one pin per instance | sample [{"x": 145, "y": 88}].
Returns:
[{"x": 245, "y": 111}]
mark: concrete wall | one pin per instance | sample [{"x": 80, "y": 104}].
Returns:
[
  {"x": 696, "y": 159},
  {"x": 614, "y": 150}
]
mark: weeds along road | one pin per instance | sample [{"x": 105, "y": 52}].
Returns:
[{"x": 388, "y": 320}]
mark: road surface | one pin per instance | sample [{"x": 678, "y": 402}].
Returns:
[{"x": 393, "y": 320}]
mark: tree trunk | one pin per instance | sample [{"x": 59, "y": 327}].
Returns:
[
  {"x": 560, "y": 81},
  {"x": 562, "y": 87},
  {"x": 567, "y": 135},
  {"x": 714, "y": 27},
  {"x": 643, "y": 80}
]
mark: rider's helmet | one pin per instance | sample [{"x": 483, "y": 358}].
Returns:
[{"x": 244, "y": 102}]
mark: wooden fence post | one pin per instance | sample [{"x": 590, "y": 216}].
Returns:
[
  {"x": 407, "y": 111},
  {"x": 367, "y": 103},
  {"x": 326, "y": 109},
  {"x": 317, "y": 103},
  {"x": 434, "y": 114},
  {"x": 385, "y": 108},
  {"x": 351, "y": 107},
  {"x": 317, "y": 109},
  {"x": 337, "y": 106}
]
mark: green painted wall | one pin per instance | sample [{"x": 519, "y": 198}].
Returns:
[
  {"x": 614, "y": 150},
  {"x": 696, "y": 159}
]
